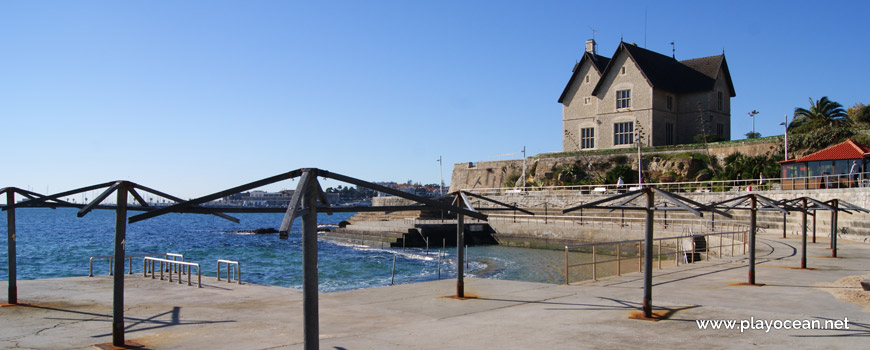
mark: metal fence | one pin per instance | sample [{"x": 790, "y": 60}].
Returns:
[
  {"x": 667, "y": 249},
  {"x": 111, "y": 259},
  {"x": 832, "y": 181}
]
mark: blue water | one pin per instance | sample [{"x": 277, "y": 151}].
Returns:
[{"x": 55, "y": 243}]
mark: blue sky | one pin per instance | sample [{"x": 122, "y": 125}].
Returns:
[{"x": 192, "y": 97}]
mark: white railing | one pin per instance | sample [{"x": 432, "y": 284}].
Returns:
[
  {"x": 765, "y": 184},
  {"x": 149, "y": 267},
  {"x": 111, "y": 259},
  {"x": 238, "y": 270}
]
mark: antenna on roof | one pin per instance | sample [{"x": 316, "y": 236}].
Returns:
[
  {"x": 594, "y": 47},
  {"x": 673, "y": 51},
  {"x": 644, "y": 28}
]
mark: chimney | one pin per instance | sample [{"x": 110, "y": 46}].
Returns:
[{"x": 590, "y": 46}]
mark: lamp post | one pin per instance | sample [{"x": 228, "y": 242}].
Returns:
[
  {"x": 524, "y": 168},
  {"x": 752, "y": 115},
  {"x": 785, "y": 124},
  {"x": 441, "y": 171},
  {"x": 639, "y": 163}
]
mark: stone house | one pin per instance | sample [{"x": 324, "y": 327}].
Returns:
[{"x": 608, "y": 101}]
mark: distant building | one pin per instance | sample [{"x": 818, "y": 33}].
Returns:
[
  {"x": 259, "y": 199},
  {"x": 608, "y": 101}
]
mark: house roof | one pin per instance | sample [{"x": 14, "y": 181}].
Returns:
[
  {"x": 666, "y": 73},
  {"x": 598, "y": 62},
  {"x": 846, "y": 150}
]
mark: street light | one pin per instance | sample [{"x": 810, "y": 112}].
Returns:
[
  {"x": 524, "y": 168},
  {"x": 639, "y": 163},
  {"x": 441, "y": 170},
  {"x": 752, "y": 115},
  {"x": 785, "y": 124}
]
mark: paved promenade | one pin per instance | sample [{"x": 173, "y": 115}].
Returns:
[{"x": 75, "y": 313}]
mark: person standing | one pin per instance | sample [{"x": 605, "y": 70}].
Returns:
[{"x": 853, "y": 174}]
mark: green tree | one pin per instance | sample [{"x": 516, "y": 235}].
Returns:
[
  {"x": 628, "y": 174},
  {"x": 822, "y": 113},
  {"x": 753, "y": 135},
  {"x": 859, "y": 114},
  {"x": 749, "y": 167}
]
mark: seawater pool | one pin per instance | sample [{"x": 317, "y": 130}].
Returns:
[{"x": 56, "y": 243}]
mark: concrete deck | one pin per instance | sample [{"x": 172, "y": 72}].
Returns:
[{"x": 75, "y": 313}]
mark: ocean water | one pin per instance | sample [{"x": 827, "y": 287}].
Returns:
[{"x": 56, "y": 243}]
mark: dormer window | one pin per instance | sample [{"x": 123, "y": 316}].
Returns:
[{"x": 623, "y": 99}]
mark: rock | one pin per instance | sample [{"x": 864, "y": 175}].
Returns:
[{"x": 259, "y": 231}]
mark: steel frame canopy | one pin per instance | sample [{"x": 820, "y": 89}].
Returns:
[
  {"x": 751, "y": 202},
  {"x": 304, "y": 204},
  {"x": 811, "y": 204},
  {"x": 10, "y": 193},
  {"x": 461, "y": 200},
  {"x": 122, "y": 188},
  {"x": 682, "y": 204}
]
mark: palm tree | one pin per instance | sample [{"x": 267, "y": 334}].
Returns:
[{"x": 822, "y": 113}]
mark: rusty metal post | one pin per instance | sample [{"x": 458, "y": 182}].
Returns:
[
  {"x": 120, "y": 245},
  {"x": 618, "y": 261},
  {"x": 834, "y": 203},
  {"x": 693, "y": 250},
  {"x": 783, "y": 225},
  {"x": 815, "y": 213},
  {"x": 712, "y": 221},
  {"x": 567, "y": 279},
  {"x": 545, "y": 212},
  {"x": 10, "y": 230},
  {"x": 666, "y": 215},
  {"x": 460, "y": 242},
  {"x": 660, "y": 255},
  {"x": 804, "y": 236},
  {"x": 594, "y": 275},
  {"x": 639, "y": 257},
  {"x": 752, "y": 217},
  {"x": 309, "y": 266},
  {"x": 648, "y": 248},
  {"x": 733, "y": 237}
]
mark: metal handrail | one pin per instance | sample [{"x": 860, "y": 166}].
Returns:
[
  {"x": 112, "y": 262},
  {"x": 175, "y": 256},
  {"x": 687, "y": 186},
  {"x": 677, "y": 250},
  {"x": 238, "y": 271},
  {"x": 169, "y": 263}
]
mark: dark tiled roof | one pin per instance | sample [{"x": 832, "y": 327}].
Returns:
[
  {"x": 666, "y": 73},
  {"x": 710, "y": 67},
  {"x": 847, "y": 150},
  {"x": 598, "y": 61}
]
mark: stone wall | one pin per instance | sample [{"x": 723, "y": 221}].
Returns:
[{"x": 492, "y": 174}]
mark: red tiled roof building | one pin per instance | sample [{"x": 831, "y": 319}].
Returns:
[{"x": 828, "y": 168}]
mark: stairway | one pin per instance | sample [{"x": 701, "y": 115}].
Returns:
[{"x": 700, "y": 246}]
